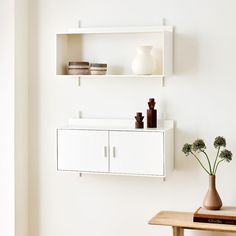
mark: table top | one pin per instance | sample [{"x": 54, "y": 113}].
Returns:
[{"x": 185, "y": 220}]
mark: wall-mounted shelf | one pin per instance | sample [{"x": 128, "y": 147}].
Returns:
[
  {"x": 116, "y": 148},
  {"x": 79, "y": 77},
  {"x": 112, "y": 76},
  {"x": 115, "y": 46},
  {"x": 118, "y": 30}
]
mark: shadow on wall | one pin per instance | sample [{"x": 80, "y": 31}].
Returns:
[
  {"x": 206, "y": 233},
  {"x": 34, "y": 114},
  {"x": 186, "y": 54}
]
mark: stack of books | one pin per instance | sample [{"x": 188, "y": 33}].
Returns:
[{"x": 226, "y": 215}]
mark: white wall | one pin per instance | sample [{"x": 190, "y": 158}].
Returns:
[{"x": 199, "y": 97}]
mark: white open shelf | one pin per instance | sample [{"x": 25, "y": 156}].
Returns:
[
  {"x": 118, "y": 30},
  {"x": 79, "y": 77},
  {"x": 115, "y": 46},
  {"x": 112, "y": 76}
]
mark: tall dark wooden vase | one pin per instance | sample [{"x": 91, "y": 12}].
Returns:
[
  {"x": 212, "y": 199},
  {"x": 151, "y": 114}
]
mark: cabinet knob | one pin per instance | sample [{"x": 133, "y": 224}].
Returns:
[
  {"x": 113, "y": 152},
  {"x": 105, "y": 151}
]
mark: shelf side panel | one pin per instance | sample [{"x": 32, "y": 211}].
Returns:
[
  {"x": 169, "y": 151},
  {"x": 75, "y": 48},
  {"x": 69, "y": 48},
  {"x": 61, "y": 54},
  {"x": 168, "y": 53}
]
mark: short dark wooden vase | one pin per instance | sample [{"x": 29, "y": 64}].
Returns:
[
  {"x": 139, "y": 120},
  {"x": 212, "y": 199}
]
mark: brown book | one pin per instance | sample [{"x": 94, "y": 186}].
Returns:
[{"x": 226, "y": 215}]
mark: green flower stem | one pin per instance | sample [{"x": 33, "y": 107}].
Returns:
[
  {"x": 218, "y": 164},
  {"x": 211, "y": 173},
  {"x": 201, "y": 163},
  {"x": 214, "y": 166}
]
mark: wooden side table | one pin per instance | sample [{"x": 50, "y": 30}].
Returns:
[{"x": 184, "y": 220}]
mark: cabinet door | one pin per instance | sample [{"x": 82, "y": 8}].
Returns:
[
  {"x": 136, "y": 153},
  {"x": 83, "y": 150}
]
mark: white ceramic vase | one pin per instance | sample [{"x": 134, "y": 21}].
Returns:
[{"x": 143, "y": 63}]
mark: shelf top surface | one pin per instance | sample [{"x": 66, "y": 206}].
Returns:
[
  {"x": 185, "y": 220},
  {"x": 74, "y": 127},
  {"x": 114, "y": 125},
  {"x": 112, "y": 76},
  {"x": 113, "y": 30}
]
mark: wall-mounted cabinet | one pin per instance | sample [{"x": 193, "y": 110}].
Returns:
[
  {"x": 111, "y": 150},
  {"x": 116, "y": 47}
]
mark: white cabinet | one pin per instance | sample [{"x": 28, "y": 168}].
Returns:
[
  {"x": 115, "y": 46},
  {"x": 110, "y": 150},
  {"x": 136, "y": 152},
  {"x": 82, "y": 150}
]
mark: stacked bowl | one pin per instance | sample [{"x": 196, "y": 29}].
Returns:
[
  {"x": 98, "y": 68},
  {"x": 78, "y": 68}
]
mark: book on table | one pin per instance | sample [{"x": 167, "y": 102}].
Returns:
[{"x": 226, "y": 215}]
